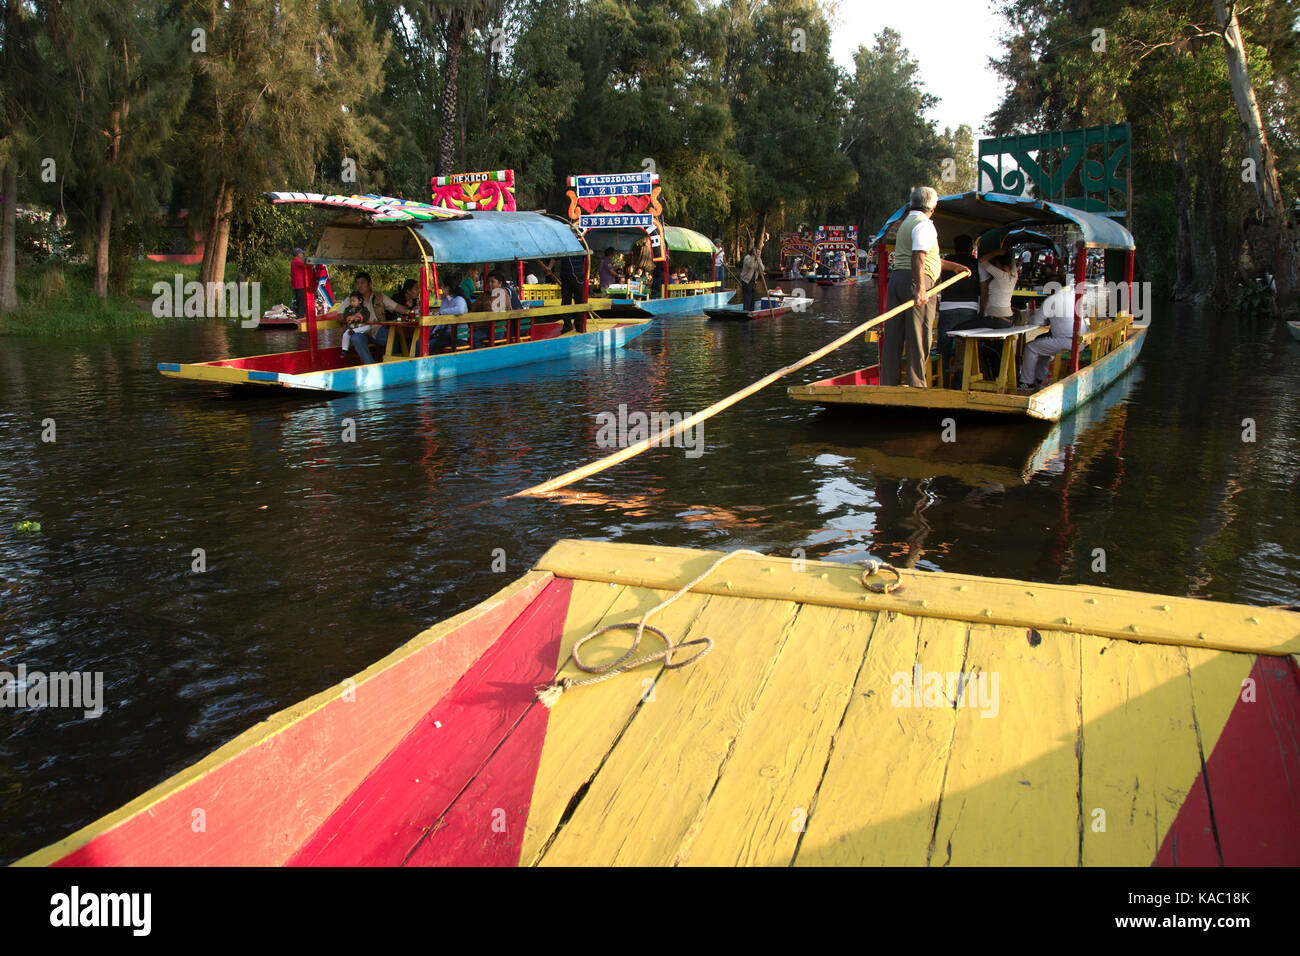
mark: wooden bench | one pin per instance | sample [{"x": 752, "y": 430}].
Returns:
[{"x": 1098, "y": 342}]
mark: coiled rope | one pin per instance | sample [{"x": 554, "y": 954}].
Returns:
[{"x": 548, "y": 694}]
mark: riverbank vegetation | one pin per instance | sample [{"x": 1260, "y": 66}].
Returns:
[{"x": 117, "y": 117}]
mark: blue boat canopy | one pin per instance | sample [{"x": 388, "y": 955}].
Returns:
[
  {"x": 499, "y": 237},
  {"x": 974, "y": 213}
]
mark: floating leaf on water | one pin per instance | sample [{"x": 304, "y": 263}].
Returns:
[{"x": 27, "y": 526}]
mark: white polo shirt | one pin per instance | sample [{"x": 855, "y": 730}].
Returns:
[{"x": 1058, "y": 308}]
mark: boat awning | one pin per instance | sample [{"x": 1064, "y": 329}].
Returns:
[
  {"x": 370, "y": 207},
  {"x": 483, "y": 236},
  {"x": 679, "y": 239},
  {"x": 688, "y": 240},
  {"x": 1015, "y": 236},
  {"x": 500, "y": 236},
  {"x": 973, "y": 213}
]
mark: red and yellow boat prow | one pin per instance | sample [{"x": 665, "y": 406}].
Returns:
[{"x": 959, "y": 720}]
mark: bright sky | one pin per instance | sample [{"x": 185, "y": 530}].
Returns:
[{"x": 952, "y": 41}]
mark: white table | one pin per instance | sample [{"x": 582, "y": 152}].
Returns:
[{"x": 1006, "y": 380}]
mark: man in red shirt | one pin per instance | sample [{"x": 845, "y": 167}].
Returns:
[{"x": 299, "y": 280}]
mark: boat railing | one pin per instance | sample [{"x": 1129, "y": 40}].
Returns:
[
  {"x": 504, "y": 328},
  {"x": 678, "y": 289},
  {"x": 1099, "y": 341}
]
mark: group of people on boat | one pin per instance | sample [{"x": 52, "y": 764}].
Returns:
[
  {"x": 364, "y": 312},
  {"x": 640, "y": 267},
  {"x": 981, "y": 299}
]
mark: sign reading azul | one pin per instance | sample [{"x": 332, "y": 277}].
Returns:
[{"x": 613, "y": 184}]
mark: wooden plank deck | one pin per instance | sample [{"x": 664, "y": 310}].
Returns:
[{"x": 789, "y": 743}]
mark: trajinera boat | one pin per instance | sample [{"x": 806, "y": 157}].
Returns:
[
  {"x": 809, "y": 713},
  {"x": 615, "y": 211},
  {"x": 1096, "y": 358},
  {"x": 378, "y": 230},
  {"x": 836, "y": 244}
]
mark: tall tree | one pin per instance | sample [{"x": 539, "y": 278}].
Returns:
[
  {"x": 1255, "y": 134},
  {"x": 957, "y": 167},
  {"x": 457, "y": 19},
  {"x": 15, "y": 118},
  {"x": 136, "y": 87},
  {"x": 888, "y": 135},
  {"x": 788, "y": 107},
  {"x": 277, "y": 83}
]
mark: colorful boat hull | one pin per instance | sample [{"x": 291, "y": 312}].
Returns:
[
  {"x": 861, "y": 388},
  {"x": 813, "y": 733},
  {"x": 301, "y": 370}
]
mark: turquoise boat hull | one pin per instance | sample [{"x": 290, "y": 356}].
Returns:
[
  {"x": 677, "y": 305},
  {"x": 280, "y": 369}
]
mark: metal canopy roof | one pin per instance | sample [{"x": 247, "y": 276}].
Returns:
[
  {"x": 483, "y": 236},
  {"x": 500, "y": 236},
  {"x": 976, "y": 212}
]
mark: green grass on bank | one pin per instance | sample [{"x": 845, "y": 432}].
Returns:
[{"x": 57, "y": 299}]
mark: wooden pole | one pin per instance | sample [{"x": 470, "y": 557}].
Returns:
[
  {"x": 1080, "y": 280},
  {"x": 882, "y": 275},
  {"x": 570, "y": 477}
]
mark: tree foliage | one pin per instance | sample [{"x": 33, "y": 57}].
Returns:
[{"x": 736, "y": 104}]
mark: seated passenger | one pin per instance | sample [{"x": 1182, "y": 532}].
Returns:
[
  {"x": 375, "y": 304},
  {"x": 354, "y": 318},
  {"x": 495, "y": 297},
  {"x": 1058, "y": 309},
  {"x": 606, "y": 273},
  {"x": 998, "y": 276},
  {"x": 959, "y": 303},
  {"x": 409, "y": 296},
  {"x": 453, "y": 303}
]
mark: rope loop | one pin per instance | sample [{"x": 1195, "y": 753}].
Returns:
[{"x": 548, "y": 694}]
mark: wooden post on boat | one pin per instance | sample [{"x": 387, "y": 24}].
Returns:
[
  {"x": 1128, "y": 277},
  {"x": 882, "y": 276},
  {"x": 423, "y": 309},
  {"x": 1080, "y": 280},
  {"x": 312, "y": 333}
]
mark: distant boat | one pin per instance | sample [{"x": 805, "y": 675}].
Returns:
[
  {"x": 765, "y": 308},
  {"x": 1099, "y": 357},
  {"x": 1294, "y": 327}
]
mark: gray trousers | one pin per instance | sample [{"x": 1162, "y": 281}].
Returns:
[{"x": 915, "y": 326}]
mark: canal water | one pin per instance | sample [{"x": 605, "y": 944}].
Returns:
[{"x": 320, "y": 555}]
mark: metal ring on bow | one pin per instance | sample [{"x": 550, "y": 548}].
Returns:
[{"x": 872, "y": 566}]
